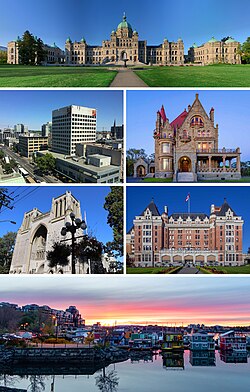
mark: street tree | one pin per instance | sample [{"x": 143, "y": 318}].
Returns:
[
  {"x": 7, "y": 243},
  {"x": 59, "y": 255},
  {"x": 114, "y": 206},
  {"x": 46, "y": 164},
  {"x": 87, "y": 251}
]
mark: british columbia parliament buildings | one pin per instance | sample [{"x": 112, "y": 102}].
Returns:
[{"x": 124, "y": 44}]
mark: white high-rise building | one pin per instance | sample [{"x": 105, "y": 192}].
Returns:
[
  {"x": 46, "y": 129},
  {"x": 72, "y": 125}
]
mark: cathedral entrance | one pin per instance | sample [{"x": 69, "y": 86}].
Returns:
[
  {"x": 38, "y": 247},
  {"x": 185, "y": 165},
  {"x": 140, "y": 171}
]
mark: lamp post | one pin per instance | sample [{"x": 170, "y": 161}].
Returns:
[{"x": 76, "y": 224}]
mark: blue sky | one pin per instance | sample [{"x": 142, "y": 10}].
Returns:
[
  {"x": 231, "y": 114},
  {"x": 201, "y": 198},
  {"x": 34, "y": 107},
  {"x": 91, "y": 199},
  {"x": 193, "y": 21}
]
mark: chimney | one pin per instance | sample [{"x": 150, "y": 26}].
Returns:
[{"x": 211, "y": 114}]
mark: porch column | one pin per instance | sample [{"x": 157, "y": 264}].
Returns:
[
  {"x": 224, "y": 163},
  {"x": 209, "y": 163},
  {"x": 238, "y": 163}
]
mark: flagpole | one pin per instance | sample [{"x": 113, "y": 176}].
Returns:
[{"x": 189, "y": 205}]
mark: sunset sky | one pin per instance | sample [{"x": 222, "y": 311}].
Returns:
[{"x": 138, "y": 300}]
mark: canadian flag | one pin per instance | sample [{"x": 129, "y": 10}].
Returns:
[{"x": 188, "y": 197}]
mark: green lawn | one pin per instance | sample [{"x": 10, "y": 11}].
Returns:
[
  {"x": 157, "y": 179},
  {"x": 220, "y": 75},
  {"x": 151, "y": 270},
  {"x": 26, "y": 76},
  {"x": 245, "y": 269}
]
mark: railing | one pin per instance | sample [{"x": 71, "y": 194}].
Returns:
[
  {"x": 220, "y": 151},
  {"x": 217, "y": 170}
]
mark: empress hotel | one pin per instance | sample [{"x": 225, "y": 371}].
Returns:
[
  {"x": 158, "y": 239},
  {"x": 124, "y": 44}
]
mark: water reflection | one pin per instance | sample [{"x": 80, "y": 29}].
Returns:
[
  {"x": 173, "y": 361},
  {"x": 127, "y": 375},
  {"x": 233, "y": 357},
  {"x": 107, "y": 381},
  {"x": 202, "y": 358}
]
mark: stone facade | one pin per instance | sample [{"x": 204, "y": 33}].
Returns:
[
  {"x": 38, "y": 232},
  {"x": 124, "y": 44},
  {"x": 54, "y": 55},
  {"x": 187, "y": 149},
  {"x": 186, "y": 238},
  {"x": 214, "y": 52}
]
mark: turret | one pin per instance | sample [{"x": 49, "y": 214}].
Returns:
[{"x": 211, "y": 115}]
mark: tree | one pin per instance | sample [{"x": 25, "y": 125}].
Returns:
[
  {"x": 30, "y": 50},
  {"x": 9, "y": 319},
  {"x": 7, "y": 243},
  {"x": 3, "y": 57},
  {"x": 59, "y": 255},
  {"x": 46, "y": 164},
  {"x": 133, "y": 155},
  {"x": 7, "y": 168},
  {"x": 114, "y": 206},
  {"x": 89, "y": 249},
  {"x": 107, "y": 382},
  {"x": 245, "y": 51}
]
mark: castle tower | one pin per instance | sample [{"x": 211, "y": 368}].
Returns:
[{"x": 164, "y": 146}]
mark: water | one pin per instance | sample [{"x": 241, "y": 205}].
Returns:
[{"x": 171, "y": 373}]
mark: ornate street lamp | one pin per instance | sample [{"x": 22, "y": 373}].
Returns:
[{"x": 76, "y": 224}]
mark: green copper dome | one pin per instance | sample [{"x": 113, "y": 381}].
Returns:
[
  {"x": 229, "y": 40},
  {"x": 194, "y": 46},
  {"x": 124, "y": 24},
  {"x": 83, "y": 40},
  {"x": 212, "y": 40},
  {"x": 68, "y": 40}
]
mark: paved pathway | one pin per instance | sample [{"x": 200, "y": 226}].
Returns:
[
  {"x": 189, "y": 270},
  {"x": 127, "y": 78}
]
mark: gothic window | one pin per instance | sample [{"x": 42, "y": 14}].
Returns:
[{"x": 197, "y": 121}]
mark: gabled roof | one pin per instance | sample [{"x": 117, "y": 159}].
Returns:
[
  {"x": 177, "y": 123},
  {"x": 153, "y": 208},
  {"x": 224, "y": 208},
  {"x": 186, "y": 215}
]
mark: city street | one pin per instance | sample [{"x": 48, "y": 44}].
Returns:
[{"x": 23, "y": 162}]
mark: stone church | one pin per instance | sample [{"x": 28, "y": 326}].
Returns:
[
  {"x": 39, "y": 231},
  {"x": 187, "y": 149}
]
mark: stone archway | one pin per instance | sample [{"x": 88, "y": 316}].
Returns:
[
  {"x": 189, "y": 259},
  {"x": 124, "y": 56},
  {"x": 141, "y": 171},
  {"x": 41, "y": 269},
  {"x": 38, "y": 247},
  {"x": 185, "y": 164}
]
